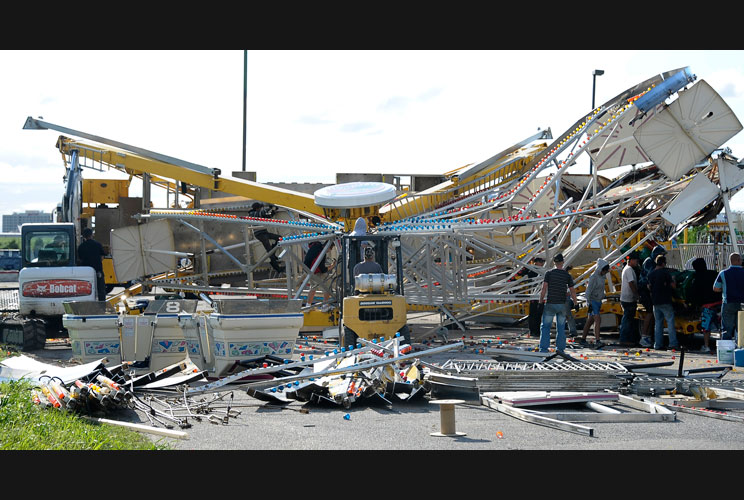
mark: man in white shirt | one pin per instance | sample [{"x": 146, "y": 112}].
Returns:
[{"x": 629, "y": 301}]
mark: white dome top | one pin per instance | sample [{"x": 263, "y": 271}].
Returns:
[{"x": 354, "y": 194}]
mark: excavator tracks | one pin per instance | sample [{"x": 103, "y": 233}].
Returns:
[{"x": 26, "y": 334}]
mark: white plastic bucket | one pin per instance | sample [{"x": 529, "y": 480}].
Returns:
[{"x": 725, "y": 351}]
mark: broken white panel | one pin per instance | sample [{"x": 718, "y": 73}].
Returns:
[
  {"x": 688, "y": 130},
  {"x": 142, "y": 250},
  {"x": 730, "y": 175},
  {"x": 530, "y": 191},
  {"x": 614, "y": 146},
  {"x": 542, "y": 205},
  {"x": 701, "y": 191},
  {"x": 24, "y": 367},
  {"x": 698, "y": 194}
]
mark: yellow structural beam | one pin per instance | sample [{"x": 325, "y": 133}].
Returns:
[
  {"x": 498, "y": 172},
  {"x": 134, "y": 164}
]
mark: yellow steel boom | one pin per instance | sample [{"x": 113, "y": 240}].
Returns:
[{"x": 137, "y": 161}]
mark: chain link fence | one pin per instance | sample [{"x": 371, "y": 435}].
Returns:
[{"x": 716, "y": 255}]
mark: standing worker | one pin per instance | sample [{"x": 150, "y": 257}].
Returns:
[
  {"x": 704, "y": 298},
  {"x": 570, "y": 320},
  {"x": 629, "y": 301},
  {"x": 534, "y": 317},
  {"x": 730, "y": 282},
  {"x": 555, "y": 284},
  {"x": 267, "y": 239},
  {"x": 360, "y": 227},
  {"x": 644, "y": 293},
  {"x": 313, "y": 253},
  {"x": 595, "y": 294},
  {"x": 662, "y": 286},
  {"x": 90, "y": 253}
]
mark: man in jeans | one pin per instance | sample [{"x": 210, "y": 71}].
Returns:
[
  {"x": 730, "y": 281},
  {"x": 535, "y": 314},
  {"x": 556, "y": 283},
  {"x": 662, "y": 286},
  {"x": 629, "y": 301}
]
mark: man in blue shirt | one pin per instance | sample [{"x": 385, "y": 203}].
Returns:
[{"x": 730, "y": 281}]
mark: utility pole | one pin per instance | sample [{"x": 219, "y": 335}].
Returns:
[
  {"x": 595, "y": 74},
  {"x": 245, "y": 100}
]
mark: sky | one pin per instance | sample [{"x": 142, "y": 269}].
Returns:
[{"x": 311, "y": 114}]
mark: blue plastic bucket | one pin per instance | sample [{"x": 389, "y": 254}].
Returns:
[{"x": 738, "y": 357}]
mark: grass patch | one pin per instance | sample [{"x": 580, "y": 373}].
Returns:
[{"x": 27, "y": 426}]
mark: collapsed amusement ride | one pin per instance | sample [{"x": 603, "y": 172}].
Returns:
[{"x": 457, "y": 248}]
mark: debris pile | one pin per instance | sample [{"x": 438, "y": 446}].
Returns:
[
  {"x": 372, "y": 369},
  {"x": 546, "y": 392},
  {"x": 373, "y": 373},
  {"x": 539, "y": 392},
  {"x": 169, "y": 397}
]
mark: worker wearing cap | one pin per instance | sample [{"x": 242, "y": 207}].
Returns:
[
  {"x": 556, "y": 283},
  {"x": 629, "y": 301},
  {"x": 368, "y": 265}
]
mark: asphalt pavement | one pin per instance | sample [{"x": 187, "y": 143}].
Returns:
[{"x": 373, "y": 424}]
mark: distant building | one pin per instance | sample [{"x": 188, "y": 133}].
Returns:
[{"x": 12, "y": 222}]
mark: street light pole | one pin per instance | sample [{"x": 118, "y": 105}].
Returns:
[
  {"x": 595, "y": 74},
  {"x": 592, "y": 172},
  {"x": 245, "y": 100}
]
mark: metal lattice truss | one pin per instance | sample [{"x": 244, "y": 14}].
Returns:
[{"x": 465, "y": 242}]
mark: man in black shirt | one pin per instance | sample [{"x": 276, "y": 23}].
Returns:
[
  {"x": 662, "y": 285},
  {"x": 268, "y": 240},
  {"x": 556, "y": 284},
  {"x": 535, "y": 308},
  {"x": 703, "y": 298},
  {"x": 313, "y": 252},
  {"x": 90, "y": 253}
]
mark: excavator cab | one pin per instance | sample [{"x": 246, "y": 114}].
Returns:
[
  {"x": 48, "y": 245},
  {"x": 48, "y": 277}
]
